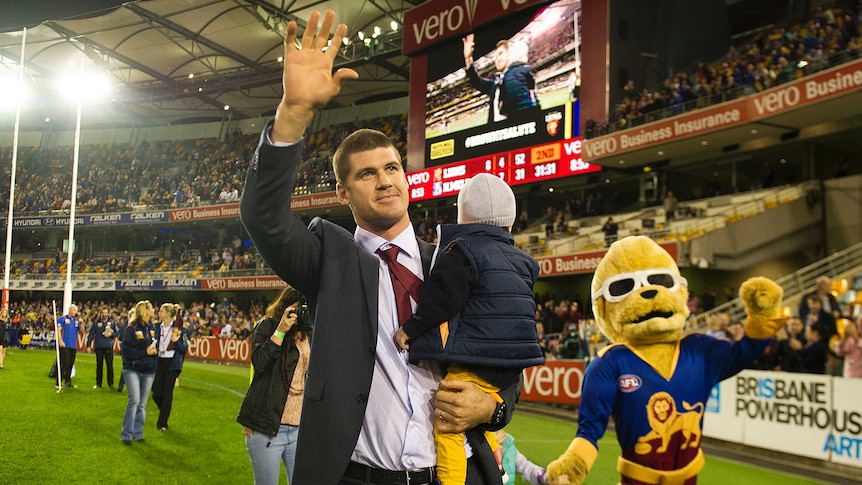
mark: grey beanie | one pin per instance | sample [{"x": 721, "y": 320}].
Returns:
[{"x": 485, "y": 199}]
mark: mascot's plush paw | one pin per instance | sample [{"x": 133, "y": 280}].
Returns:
[
  {"x": 762, "y": 300},
  {"x": 568, "y": 468},
  {"x": 573, "y": 465}
]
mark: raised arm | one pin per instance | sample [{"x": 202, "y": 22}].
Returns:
[
  {"x": 469, "y": 46},
  {"x": 278, "y": 233},
  {"x": 308, "y": 80}
]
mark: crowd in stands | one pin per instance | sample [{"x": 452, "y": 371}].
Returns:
[
  {"x": 772, "y": 56},
  {"x": 118, "y": 177},
  {"x": 220, "y": 319},
  {"x": 810, "y": 342},
  {"x": 189, "y": 263}
]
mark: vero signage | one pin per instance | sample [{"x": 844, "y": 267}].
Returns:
[{"x": 432, "y": 22}]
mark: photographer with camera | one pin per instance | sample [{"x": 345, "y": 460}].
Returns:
[
  {"x": 570, "y": 344},
  {"x": 272, "y": 406}
]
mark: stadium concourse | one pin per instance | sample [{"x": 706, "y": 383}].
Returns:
[{"x": 759, "y": 145}]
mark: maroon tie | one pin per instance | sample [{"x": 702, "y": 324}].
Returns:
[{"x": 404, "y": 282}]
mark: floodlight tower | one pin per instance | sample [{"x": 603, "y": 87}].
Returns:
[
  {"x": 15, "y": 92},
  {"x": 82, "y": 86}
]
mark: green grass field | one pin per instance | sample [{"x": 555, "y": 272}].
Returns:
[{"x": 74, "y": 437}]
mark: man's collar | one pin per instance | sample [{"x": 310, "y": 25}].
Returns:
[{"x": 406, "y": 240}]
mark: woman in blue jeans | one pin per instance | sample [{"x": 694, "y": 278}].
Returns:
[
  {"x": 139, "y": 369},
  {"x": 272, "y": 406}
]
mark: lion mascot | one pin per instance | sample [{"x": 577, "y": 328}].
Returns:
[{"x": 651, "y": 379}]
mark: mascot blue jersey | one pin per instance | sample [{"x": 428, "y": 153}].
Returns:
[{"x": 658, "y": 421}]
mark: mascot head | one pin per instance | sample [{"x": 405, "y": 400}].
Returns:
[{"x": 638, "y": 294}]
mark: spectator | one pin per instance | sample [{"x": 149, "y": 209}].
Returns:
[
  {"x": 514, "y": 462},
  {"x": 226, "y": 330},
  {"x": 570, "y": 345},
  {"x": 549, "y": 220},
  {"x": 850, "y": 348},
  {"x": 819, "y": 317},
  {"x": 172, "y": 344},
  {"x": 544, "y": 342},
  {"x": 670, "y": 205},
  {"x": 610, "y": 229},
  {"x": 718, "y": 326},
  {"x": 823, "y": 293},
  {"x": 139, "y": 370},
  {"x": 737, "y": 331},
  {"x": 786, "y": 357},
  {"x": 272, "y": 407},
  {"x": 5, "y": 331},
  {"x": 103, "y": 333},
  {"x": 814, "y": 353}
]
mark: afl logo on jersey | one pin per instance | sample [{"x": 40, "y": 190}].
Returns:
[{"x": 629, "y": 383}]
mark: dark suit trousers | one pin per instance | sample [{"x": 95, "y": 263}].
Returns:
[
  {"x": 67, "y": 360},
  {"x": 163, "y": 390},
  {"x": 106, "y": 357}
]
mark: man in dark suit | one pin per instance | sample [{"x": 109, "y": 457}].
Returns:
[
  {"x": 828, "y": 302},
  {"x": 820, "y": 317},
  {"x": 512, "y": 89},
  {"x": 368, "y": 415}
]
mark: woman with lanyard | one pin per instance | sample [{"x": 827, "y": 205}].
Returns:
[
  {"x": 173, "y": 343},
  {"x": 272, "y": 406},
  {"x": 139, "y": 369}
]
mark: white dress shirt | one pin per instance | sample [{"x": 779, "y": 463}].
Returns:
[
  {"x": 166, "y": 333},
  {"x": 398, "y": 429}
]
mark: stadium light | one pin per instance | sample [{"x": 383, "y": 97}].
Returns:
[
  {"x": 12, "y": 92},
  {"x": 394, "y": 26},
  {"x": 84, "y": 86},
  {"x": 361, "y": 35}
]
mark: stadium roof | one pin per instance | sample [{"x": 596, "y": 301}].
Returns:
[{"x": 177, "y": 61}]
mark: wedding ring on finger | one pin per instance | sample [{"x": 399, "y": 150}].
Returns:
[{"x": 442, "y": 418}]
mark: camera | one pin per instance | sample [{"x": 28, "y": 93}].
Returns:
[{"x": 303, "y": 318}]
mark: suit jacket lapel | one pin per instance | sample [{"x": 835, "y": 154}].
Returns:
[
  {"x": 368, "y": 267},
  {"x": 426, "y": 251}
]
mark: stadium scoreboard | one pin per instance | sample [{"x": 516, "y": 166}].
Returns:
[{"x": 520, "y": 166}]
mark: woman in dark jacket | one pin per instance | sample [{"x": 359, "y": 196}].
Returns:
[
  {"x": 271, "y": 409},
  {"x": 173, "y": 342},
  {"x": 139, "y": 369}
]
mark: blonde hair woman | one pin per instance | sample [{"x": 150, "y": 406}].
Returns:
[{"x": 139, "y": 370}]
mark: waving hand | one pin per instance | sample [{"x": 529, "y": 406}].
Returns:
[{"x": 308, "y": 80}]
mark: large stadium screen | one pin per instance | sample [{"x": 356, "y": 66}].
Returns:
[{"x": 502, "y": 98}]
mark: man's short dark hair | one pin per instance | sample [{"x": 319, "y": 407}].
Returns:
[{"x": 358, "y": 141}]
